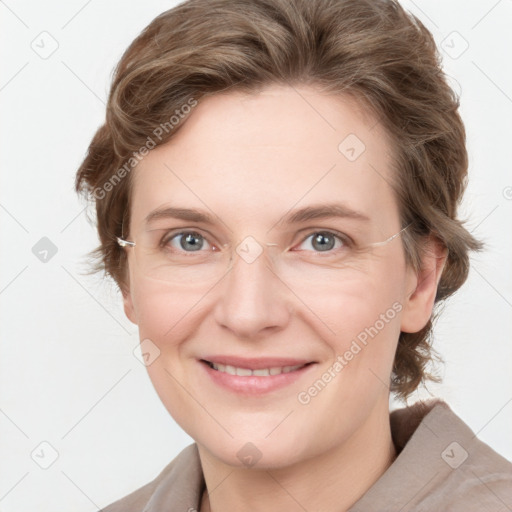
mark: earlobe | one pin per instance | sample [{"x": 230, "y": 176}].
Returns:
[
  {"x": 128, "y": 306},
  {"x": 421, "y": 287}
]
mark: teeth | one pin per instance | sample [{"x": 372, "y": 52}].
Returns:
[{"x": 246, "y": 372}]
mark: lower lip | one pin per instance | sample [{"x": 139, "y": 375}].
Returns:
[{"x": 255, "y": 385}]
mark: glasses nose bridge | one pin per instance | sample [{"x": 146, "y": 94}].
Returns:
[{"x": 249, "y": 250}]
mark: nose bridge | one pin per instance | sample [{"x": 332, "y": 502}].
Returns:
[
  {"x": 250, "y": 274},
  {"x": 252, "y": 298},
  {"x": 255, "y": 261}
]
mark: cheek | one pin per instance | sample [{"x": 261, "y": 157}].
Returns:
[
  {"x": 369, "y": 337},
  {"x": 162, "y": 312},
  {"x": 357, "y": 375},
  {"x": 364, "y": 323},
  {"x": 168, "y": 318}
]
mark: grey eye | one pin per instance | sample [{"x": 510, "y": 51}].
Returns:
[
  {"x": 189, "y": 241},
  {"x": 323, "y": 241}
]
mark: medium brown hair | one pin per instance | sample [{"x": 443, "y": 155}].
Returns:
[{"x": 372, "y": 50}]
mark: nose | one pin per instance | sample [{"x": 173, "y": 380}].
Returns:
[{"x": 252, "y": 299}]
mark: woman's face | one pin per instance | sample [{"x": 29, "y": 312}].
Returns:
[{"x": 250, "y": 162}]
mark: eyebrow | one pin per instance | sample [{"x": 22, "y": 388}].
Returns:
[
  {"x": 323, "y": 211},
  {"x": 313, "y": 212}
]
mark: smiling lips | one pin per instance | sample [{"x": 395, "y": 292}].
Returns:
[
  {"x": 245, "y": 375},
  {"x": 261, "y": 372},
  {"x": 275, "y": 365}
]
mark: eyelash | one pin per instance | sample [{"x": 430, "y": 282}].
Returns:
[{"x": 345, "y": 239}]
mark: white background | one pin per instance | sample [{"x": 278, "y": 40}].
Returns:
[{"x": 68, "y": 375}]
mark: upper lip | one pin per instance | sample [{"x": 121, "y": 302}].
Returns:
[{"x": 256, "y": 363}]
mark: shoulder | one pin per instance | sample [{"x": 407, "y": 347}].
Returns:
[
  {"x": 472, "y": 476},
  {"x": 441, "y": 465},
  {"x": 179, "y": 483},
  {"x": 136, "y": 500}
]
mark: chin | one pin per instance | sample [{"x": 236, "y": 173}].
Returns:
[{"x": 258, "y": 453}]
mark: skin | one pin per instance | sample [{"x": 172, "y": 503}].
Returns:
[{"x": 250, "y": 159}]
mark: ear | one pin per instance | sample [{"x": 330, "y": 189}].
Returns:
[
  {"x": 129, "y": 310},
  {"x": 421, "y": 288}
]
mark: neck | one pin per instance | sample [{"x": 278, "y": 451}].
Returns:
[{"x": 331, "y": 481}]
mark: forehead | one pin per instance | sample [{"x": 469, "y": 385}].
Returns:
[{"x": 252, "y": 157}]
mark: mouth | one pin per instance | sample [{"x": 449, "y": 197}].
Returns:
[
  {"x": 255, "y": 377},
  {"x": 259, "y": 372}
]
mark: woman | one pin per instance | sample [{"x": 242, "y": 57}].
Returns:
[{"x": 276, "y": 187}]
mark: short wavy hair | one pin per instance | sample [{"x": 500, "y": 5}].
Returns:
[{"x": 373, "y": 50}]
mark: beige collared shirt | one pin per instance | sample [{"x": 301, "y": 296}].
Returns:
[{"x": 441, "y": 466}]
